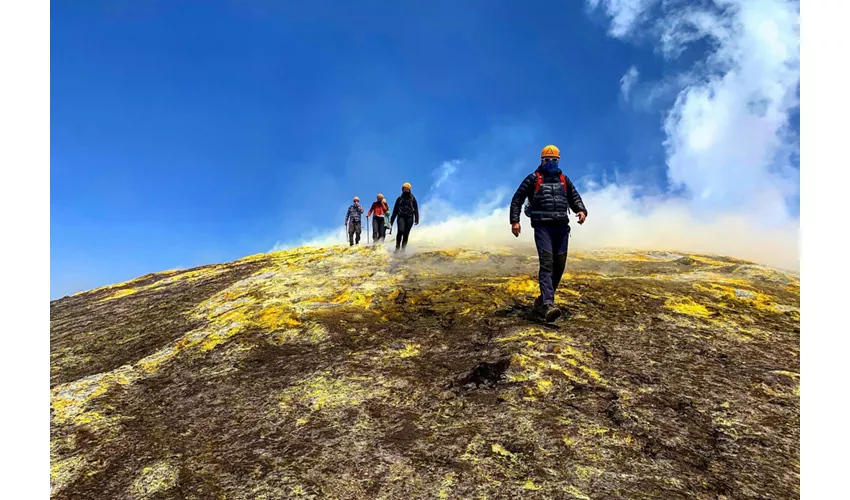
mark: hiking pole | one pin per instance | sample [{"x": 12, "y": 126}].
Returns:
[{"x": 368, "y": 234}]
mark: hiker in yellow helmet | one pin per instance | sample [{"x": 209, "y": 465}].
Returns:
[
  {"x": 379, "y": 212},
  {"x": 551, "y": 196},
  {"x": 352, "y": 222},
  {"x": 406, "y": 209}
]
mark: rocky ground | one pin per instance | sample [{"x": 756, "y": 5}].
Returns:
[{"x": 347, "y": 373}]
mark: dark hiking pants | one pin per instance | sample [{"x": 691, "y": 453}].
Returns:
[
  {"x": 552, "y": 242},
  {"x": 379, "y": 229},
  {"x": 404, "y": 224},
  {"x": 353, "y": 231}
]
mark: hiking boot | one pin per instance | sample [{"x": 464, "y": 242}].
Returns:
[
  {"x": 552, "y": 313},
  {"x": 538, "y": 308}
]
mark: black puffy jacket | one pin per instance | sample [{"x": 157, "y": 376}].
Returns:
[{"x": 551, "y": 204}]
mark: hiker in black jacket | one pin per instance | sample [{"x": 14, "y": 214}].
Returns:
[
  {"x": 407, "y": 211},
  {"x": 352, "y": 222},
  {"x": 551, "y": 195}
]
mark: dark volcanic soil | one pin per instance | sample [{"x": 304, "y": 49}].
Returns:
[{"x": 345, "y": 373}]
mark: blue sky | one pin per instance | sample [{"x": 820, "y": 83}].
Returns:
[{"x": 198, "y": 132}]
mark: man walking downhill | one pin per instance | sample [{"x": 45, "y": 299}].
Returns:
[
  {"x": 407, "y": 211},
  {"x": 551, "y": 194},
  {"x": 377, "y": 211},
  {"x": 352, "y": 222}
]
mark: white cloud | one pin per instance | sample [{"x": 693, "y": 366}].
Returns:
[
  {"x": 624, "y": 14},
  {"x": 445, "y": 171},
  {"x": 728, "y": 134},
  {"x": 627, "y": 81}
]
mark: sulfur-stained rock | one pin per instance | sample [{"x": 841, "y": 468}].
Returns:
[{"x": 347, "y": 373}]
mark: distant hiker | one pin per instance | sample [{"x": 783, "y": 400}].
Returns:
[
  {"x": 352, "y": 222},
  {"x": 378, "y": 211},
  {"x": 407, "y": 211},
  {"x": 551, "y": 195}
]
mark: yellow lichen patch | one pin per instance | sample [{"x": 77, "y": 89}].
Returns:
[
  {"x": 576, "y": 493},
  {"x": 114, "y": 286},
  {"x": 590, "y": 438},
  {"x": 326, "y": 392},
  {"x": 409, "y": 350},
  {"x": 473, "y": 449},
  {"x": 70, "y": 401},
  {"x": 529, "y": 372},
  {"x": 783, "y": 391},
  {"x": 120, "y": 293},
  {"x": 64, "y": 471},
  {"x": 459, "y": 255},
  {"x": 529, "y": 485},
  {"x": 150, "y": 364},
  {"x": 157, "y": 478},
  {"x": 196, "y": 274},
  {"x": 261, "y": 256},
  {"x": 354, "y": 299},
  {"x": 706, "y": 260},
  {"x": 587, "y": 473},
  {"x": 616, "y": 255},
  {"x": 446, "y": 484},
  {"x": 742, "y": 293},
  {"x": 687, "y": 306},
  {"x": 168, "y": 278},
  {"x": 593, "y": 430},
  {"x": 545, "y": 353},
  {"x": 500, "y": 450},
  {"x": 522, "y": 286},
  {"x": 544, "y": 386},
  {"x": 592, "y": 373},
  {"x": 312, "y": 333},
  {"x": 275, "y": 317},
  {"x": 532, "y": 333}
]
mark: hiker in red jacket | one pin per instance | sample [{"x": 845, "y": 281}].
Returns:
[
  {"x": 377, "y": 211},
  {"x": 551, "y": 196}
]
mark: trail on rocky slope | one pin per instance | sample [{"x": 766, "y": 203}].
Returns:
[{"x": 347, "y": 373}]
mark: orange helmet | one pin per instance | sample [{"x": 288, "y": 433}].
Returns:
[
  {"x": 356, "y": 198},
  {"x": 550, "y": 151},
  {"x": 405, "y": 185},
  {"x": 380, "y": 196}
]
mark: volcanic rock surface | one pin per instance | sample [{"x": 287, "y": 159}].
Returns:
[{"x": 349, "y": 373}]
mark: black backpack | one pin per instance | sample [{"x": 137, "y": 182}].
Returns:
[
  {"x": 405, "y": 207},
  {"x": 537, "y": 185}
]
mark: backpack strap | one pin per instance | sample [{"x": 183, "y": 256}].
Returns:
[{"x": 540, "y": 182}]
